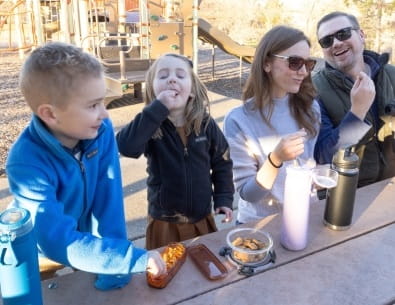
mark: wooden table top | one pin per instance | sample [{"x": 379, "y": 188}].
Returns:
[{"x": 355, "y": 266}]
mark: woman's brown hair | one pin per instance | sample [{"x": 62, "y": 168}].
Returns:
[{"x": 259, "y": 83}]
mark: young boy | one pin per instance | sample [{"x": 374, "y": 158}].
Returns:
[{"x": 64, "y": 169}]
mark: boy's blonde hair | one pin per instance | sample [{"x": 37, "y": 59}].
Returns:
[
  {"x": 197, "y": 108},
  {"x": 51, "y": 73}
]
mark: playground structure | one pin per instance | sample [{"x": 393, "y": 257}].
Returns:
[{"x": 125, "y": 35}]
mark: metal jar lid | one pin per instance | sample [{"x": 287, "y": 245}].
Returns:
[
  {"x": 15, "y": 222},
  {"x": 345, "y": 159}
]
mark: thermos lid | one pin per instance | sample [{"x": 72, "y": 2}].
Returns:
[
  {"x": 16, "y": 221},
  {"x": 345, "y": 158}
]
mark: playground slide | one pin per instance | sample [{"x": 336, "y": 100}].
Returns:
[{"x": 211, "y": 34}]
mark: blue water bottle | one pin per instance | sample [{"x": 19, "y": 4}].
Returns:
[{"x": 19, "y": 271}]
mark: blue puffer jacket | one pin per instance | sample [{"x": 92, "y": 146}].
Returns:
[{"x": 76, "y": 205}]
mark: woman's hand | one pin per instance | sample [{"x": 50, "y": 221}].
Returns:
[{"x": 289, "y": 148}]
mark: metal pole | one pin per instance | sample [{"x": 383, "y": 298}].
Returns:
[
  {"x": 122, "y": 67},
  {"x": 212, "y": 61},
  {"x": 195, "y": 35},
  {"x": 240, "y": 68}
]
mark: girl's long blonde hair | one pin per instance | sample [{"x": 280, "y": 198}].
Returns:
[
  {"x": 259, "y": 84},
  {"x": 197, "y": 108}
]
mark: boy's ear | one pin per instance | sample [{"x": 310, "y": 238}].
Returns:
[{"x": 46, "y": 113}]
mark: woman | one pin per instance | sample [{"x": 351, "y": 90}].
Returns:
[{"x": 277, "y": 123}]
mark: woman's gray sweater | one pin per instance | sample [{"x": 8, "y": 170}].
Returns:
[{"x": 251, "y": 140}]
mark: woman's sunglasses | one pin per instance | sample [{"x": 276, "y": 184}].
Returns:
[
  {"x": 341, "y": 35},
  {"x": 295, "y": 63}
]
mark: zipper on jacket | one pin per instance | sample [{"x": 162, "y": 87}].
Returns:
[
  {"x": 83, "y": 174},
  {"x": 82, "y": 167},
  {"x": 188, "y": 188},
  {"x": 188, "y": 180}
]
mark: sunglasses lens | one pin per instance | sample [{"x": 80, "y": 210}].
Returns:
[
  {"x": 326, "y": 41},
  {"x": 310, "y": 64},
  {"x": 295, "y": 63},
  {"x": 343, "y": 34}
]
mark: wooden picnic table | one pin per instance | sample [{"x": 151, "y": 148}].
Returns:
[{"x": 355, "y": 266}]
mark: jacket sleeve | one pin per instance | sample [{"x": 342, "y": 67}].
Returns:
[
  {"x": 221, "y": 168},
  {"x": 132, "y": 138},
  {"x": 330, "y": 138}
]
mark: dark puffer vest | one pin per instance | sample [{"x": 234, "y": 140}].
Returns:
[{"x": 376, "y": 150}]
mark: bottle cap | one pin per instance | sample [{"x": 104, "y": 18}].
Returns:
[{"x": 15, "y": 222}]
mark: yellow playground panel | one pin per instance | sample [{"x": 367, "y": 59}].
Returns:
[{"x": 171, "y": 27}]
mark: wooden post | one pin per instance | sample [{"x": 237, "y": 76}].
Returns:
[
  {"x": 18, "y": 29},
  {"x": 121, "y": 16},
  {"x": 64, "y": 21},
  {"x": 144, "y": 30},
  {"x": 37, "y": 22},
  {"x": 77, "y": 23},
  {"x": 83, "y": 9}
]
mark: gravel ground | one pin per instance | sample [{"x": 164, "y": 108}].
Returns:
[{"x": 15, "y": 114}]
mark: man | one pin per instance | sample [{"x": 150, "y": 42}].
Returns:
[{"x": 356, "y": 91}]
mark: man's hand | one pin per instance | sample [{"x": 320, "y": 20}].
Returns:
[{"x": 362, "y": 95}]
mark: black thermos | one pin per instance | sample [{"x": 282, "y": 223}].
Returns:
[{"x": 340, "y": 199}]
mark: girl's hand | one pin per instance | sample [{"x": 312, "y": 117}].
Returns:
[
  {"x": 289, "y": 148},
  {"x": 169, "y": 98},
  {"x": 227, "y": 211},
  {"x": 156, "y": 265}
]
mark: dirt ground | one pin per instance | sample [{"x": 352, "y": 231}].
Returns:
[{"x": 223, "y": 79}]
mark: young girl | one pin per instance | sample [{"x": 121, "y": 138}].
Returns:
[
  {"x": 187, "y": 154},
  {"x": 277, "y": 123}
]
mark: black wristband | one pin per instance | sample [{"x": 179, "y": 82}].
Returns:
[{"x": 272, "y": 163}]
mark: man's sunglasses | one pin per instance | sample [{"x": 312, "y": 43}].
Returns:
[
  {"x": 295, "y": 63},
  {"x": 341, "y": 35}
]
